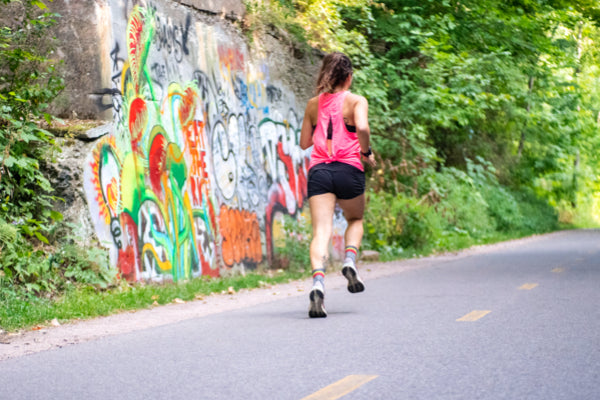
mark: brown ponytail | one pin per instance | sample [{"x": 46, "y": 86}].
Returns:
[{"x": 334, "y": 71}]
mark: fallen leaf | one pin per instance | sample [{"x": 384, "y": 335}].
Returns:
[
  {"x": 155, "y": 297},
  {"x": 55, "y": 322},
  {"x": 155, "y": 303},
  {"x": 178, "y": 301},
  {"x": 199, "y": 297},
  {"x": 231, "y": 290}
]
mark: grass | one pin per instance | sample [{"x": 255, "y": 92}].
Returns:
[{"x": 21, "y": 311}]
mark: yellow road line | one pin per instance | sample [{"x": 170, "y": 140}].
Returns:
[
  {"x": 341, "y": 387},
  {"x": 558, "y": 270},
  {"x": 474, "y": 315},
  {"x": 528, "y": 286}
]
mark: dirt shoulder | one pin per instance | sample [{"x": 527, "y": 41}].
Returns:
[{"x": 22, "y": 343}]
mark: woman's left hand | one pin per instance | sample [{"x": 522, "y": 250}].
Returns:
[{"x": 370, "y": 160}]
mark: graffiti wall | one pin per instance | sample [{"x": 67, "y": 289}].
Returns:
[{"x": 204, "y": 150}]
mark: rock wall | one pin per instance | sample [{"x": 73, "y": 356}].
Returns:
[{"x": 201, "y": 160}]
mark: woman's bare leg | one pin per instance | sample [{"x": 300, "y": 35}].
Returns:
[
  {"x": 321, "y": 210},
  {"x": 322, "y": 207},
  {"x": 353, "y": 211}
]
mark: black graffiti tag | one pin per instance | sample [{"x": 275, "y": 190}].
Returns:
[{"x": 171, "y": 37}]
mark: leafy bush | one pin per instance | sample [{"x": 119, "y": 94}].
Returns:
[
  {"x": 32, "y": 262},
  {"x": 28, "y": 82},
  {"x": 293, "y": 252},
  {"x": 461, "y": 202},
  {"x": 396, "y": 223},
  {"x": 538, "y": 215},
  {"x": 503, "y": 208},
  {"x": 48, "y": 271},
  {"x": 456, "y": 209}
]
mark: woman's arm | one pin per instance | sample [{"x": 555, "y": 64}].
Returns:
[
  {"x": 361, "y": 119},
  {"x": 307, "y": 123}
]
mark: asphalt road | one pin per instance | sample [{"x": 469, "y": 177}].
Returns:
[{"x": 521, "y": 322}]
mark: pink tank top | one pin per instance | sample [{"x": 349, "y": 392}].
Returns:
[{"x": 331, "y": 140}]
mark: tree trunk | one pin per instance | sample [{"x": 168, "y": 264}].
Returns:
[
  {"x": 522, "y": 139},
  {"x": 577, "y": 71}
]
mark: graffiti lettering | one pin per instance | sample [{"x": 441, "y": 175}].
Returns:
[
  {"x": 115, "y": 100},
  {"x": 273, "y": 94},
  {"x": 241, "y": 236},
  {"x": 115, "y": 230},
  {"x": 172, "y": 38}
]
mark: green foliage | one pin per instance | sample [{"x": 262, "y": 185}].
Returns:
[
  {"x": 49, "y": 271},
  {"x": 34, "y": 259},
  {"x": 88, "y": 266},
  {"x": 397, "y": 223},
  {"x": 457, "y": 209},
  {"x": 28, "y": 82},
  {"x": 293, "y": 251},
  {"x": 538, "y": 215},
  {"x": 275, "y": 18},
  {"x": 514, "y": 83},
  {"x": 462, "y": 203}
]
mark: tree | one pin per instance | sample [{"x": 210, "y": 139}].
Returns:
[{"x": 28, "y": 82}]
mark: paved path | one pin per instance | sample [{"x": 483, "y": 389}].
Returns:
[{"x": 519, "y": 320}]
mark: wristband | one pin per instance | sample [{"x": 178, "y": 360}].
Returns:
[{"x": 367, "y": 153}]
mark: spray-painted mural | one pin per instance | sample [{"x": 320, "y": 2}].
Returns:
[{"x": 204, "y": 151}]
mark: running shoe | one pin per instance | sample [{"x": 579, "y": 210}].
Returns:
[
  {"x": 317, "y": 297},
  {"x": 355, "y": 284}
]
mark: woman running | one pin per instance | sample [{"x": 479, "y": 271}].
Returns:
[{"x": 336, "y": 125}]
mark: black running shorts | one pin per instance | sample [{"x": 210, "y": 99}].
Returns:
[{"x": 341, "y": 179}]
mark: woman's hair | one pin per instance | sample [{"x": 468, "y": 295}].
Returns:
[{"x": 334, "y": 71}]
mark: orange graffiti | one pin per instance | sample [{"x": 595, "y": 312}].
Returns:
[
  {"x": 241, "y": 236},
  {"x": 232, "y": 58},
  {"x": 187, "y": 109},
  {"x": 198, "y": 173}
]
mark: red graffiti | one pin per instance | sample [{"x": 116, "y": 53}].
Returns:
[
  {"x": 157, "y": 158},
  {"x": 138, "y": 120},
  {"x": 277, "y": 195},
  {"x": 297, "y": 183},
  {"x": 128, "y": 262},
  {"x": 240, "y": 234}
]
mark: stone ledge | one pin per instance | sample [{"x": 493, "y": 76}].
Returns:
[
  {"x": 369, "y": 255},
  {"x": 230, "y": 9}
]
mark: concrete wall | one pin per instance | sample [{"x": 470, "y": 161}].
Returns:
[
  {"x": 202, "y": 159},
  {"x": 84, "y": 29}
]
